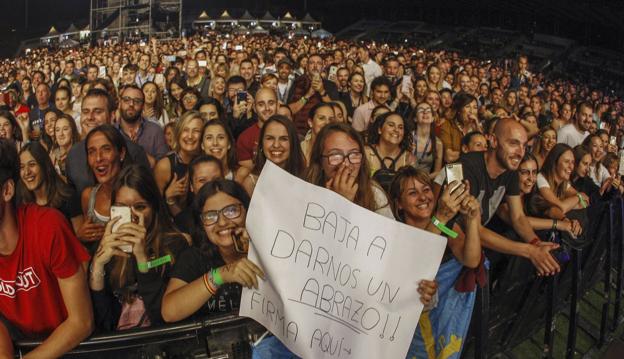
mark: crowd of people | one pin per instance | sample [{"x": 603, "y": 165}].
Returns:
[{"x": 126, "y": 171}]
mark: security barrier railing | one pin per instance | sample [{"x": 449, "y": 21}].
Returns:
[{"x": 508, "y": 310}]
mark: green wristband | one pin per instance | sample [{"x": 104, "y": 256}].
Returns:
[
  {"x": 581, "y": 200},
  {"x": 444, "y": 229},
  {"x": 217, "y": 277},
  {"x": 154, "y": 263}
]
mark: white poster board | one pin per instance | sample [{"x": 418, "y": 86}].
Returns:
[{"x": 341, "y": 280}]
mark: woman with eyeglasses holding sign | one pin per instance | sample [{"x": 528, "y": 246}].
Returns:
[
  {"x": 338, "y": 163},
  {"x": 216, "y": 266}
]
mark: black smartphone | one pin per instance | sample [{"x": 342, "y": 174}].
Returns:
[{"x": 241, "y": 96}]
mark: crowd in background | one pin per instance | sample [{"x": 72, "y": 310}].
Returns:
[{"x": 126, "y": 171}]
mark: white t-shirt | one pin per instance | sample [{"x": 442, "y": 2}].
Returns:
[
  {"x": 569, "y": 135},
  {"x": 599, "y": 176},
  {"x": 371, "y": 70},
  {"x": 542, "y": 182}
]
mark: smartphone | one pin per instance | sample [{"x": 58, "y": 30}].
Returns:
[
  {"x": 170, "y": 58},
  {"x": 102, "y": 72},
  {"x": 202, "y": 63},
  {"x": 603, "y": 125},
  {"x": 621, "y": 169},
  {"x": 406, "y": 84},
  {"x": 454, "y": 172},
  {"x": 613, "y": 140},
  {"x": 159, "y": 79},
  {"x": 241, "y": 96},
  {"x": 333, "y": 70},
  {"x": 238, "y": 47},
  {"x": 126, "y": 217},
  {"x": 240, "y": 245}
]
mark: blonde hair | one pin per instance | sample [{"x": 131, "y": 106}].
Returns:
[{"x": 179, "y": 126}]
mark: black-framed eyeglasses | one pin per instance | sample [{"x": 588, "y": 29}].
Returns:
[
  {"x": 337, "y": 158},
  {"x": 135, "y": 101},
  {"x": 231, "y": 211}
]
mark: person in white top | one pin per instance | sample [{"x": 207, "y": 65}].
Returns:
[
  {"x": 371, "y": 68},
  {"x": 553, "y": 183},
  {"x": 379, "y": 95},
  {"x": 574, "y": 133}
]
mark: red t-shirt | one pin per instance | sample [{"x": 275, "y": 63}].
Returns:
[
  {"x": 47, "y": 249},
  {"x": 247, "y": 143}
]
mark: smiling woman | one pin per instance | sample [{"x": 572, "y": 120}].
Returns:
[
  {"x": 106, "y": 156},
  {"x": 278, "y": 143}
]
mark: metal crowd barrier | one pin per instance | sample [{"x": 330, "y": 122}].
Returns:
[
  {"x": 518, "y": 308},
  {"x": 523, "y": 307}
]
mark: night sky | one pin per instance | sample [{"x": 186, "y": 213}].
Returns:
[{"x": 337, "y": 14}]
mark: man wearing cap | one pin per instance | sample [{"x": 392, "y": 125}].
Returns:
[{"x": 284, "y": 81}]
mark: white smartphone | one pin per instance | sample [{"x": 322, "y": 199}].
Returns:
[
  {"x": 126, "y": 217},
  {"x": 613, "y": 140},
  {"x": 406, "y": 84},
  {"x": 102, "y": 72},
  {"x": 454, "y": 172},
  {"x": 202, "y": 63},
  {"x": 238, "y": 47},
  {"x": 621, "y": 169}
]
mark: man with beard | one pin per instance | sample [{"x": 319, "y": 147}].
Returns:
[
  {"x": 247, "y": 71},
  {"x": 146, "y": 134},
  {"x": 342, "y": 81},
  {"x": 96, "y": 110},
  {"x": 196, "y": 80},
  {"x": 574, "y": 133},
  {"x": 492, "y": 176},
  {"x": 265, "y": 106},
  {"x": 391, "y": 72},
  {"x": 284, "y": 82},
  {"x": 309, "y": 90}
]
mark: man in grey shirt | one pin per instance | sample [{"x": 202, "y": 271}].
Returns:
[
  {"x": 96, "y": 110},
  {"x": 135, "y": 128}
]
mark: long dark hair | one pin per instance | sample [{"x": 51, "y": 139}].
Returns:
[
  {"x": 159, "y": 102},
  {"x": 115, "y": 138},
  {"x": 209, "y": 189},
  {"x": 232, "y": 163},
  {"x": 295, "y": 163},
  {"x": 162, "y": 238},
  {"x": 315, "y": 174},
  {"x": 460, "y": 101},
  {"x": 57, "y": 192},
  {"x": 17, "y": 131},
  {"x": 373, "y": 130}
]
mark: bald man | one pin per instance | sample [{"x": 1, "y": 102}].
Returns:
[
  {"x": 492, "y": 176},
  {"x": 265, "y": 106}
]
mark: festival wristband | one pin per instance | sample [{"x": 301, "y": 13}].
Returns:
[
  {"x": 535, "y": 241},
  {"x": 581, "y": 200},
  {"x": 443, "y": 228},
  {"x": 154, "y": 263},
  {"x": 217, "y": 277}
]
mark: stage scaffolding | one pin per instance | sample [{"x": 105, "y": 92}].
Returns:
[{"x": 135, "y": 19}]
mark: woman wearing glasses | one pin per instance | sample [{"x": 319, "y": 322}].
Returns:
[
  {"x": 338, "y": 163},
  {"x": 426, "y": 146},
  {"x": 208, "y": 276}
]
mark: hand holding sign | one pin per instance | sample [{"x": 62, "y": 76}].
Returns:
[
  {"x": 338, "y": 286},
  {"x": 243, "y": 272}
]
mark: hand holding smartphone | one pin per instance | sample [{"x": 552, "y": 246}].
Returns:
[
  {"x": 454, "y": 172},
  {"x": 125, "y": 217}
]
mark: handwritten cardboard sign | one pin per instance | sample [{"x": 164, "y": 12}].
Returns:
[{"x": 341, "y": 280}]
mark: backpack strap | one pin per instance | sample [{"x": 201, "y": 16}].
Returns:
[{"x": 382, "y": 161}]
